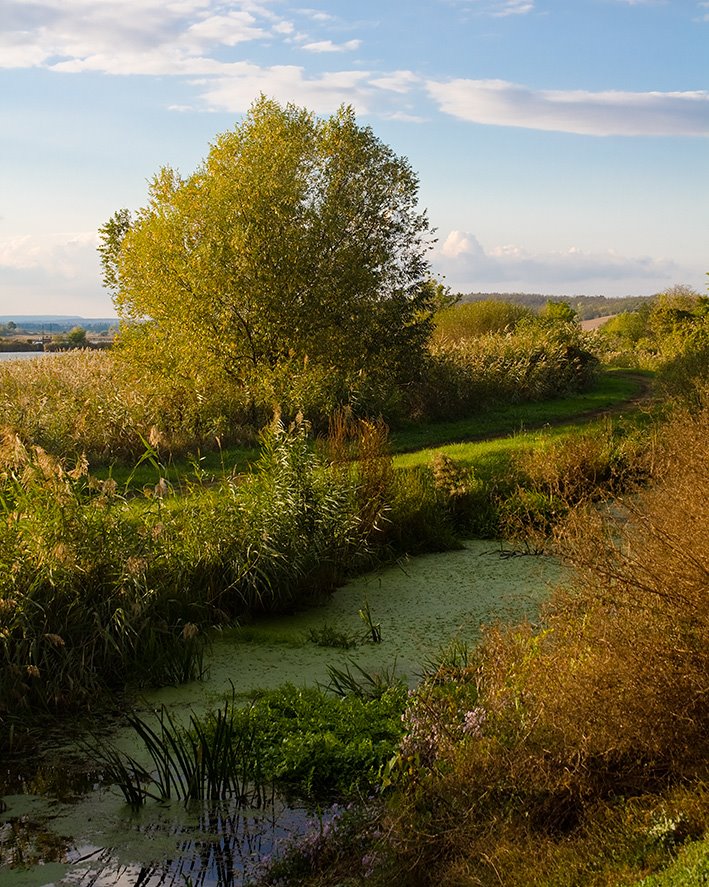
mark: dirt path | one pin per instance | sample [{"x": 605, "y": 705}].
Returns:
[{"x": 642, "y": 396}]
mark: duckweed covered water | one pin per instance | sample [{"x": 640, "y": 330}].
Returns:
[{"x": 420, "y": 606}]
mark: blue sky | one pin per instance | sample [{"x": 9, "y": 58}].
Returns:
[{"x": 562, "y": 145}]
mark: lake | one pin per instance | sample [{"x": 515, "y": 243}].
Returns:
[{"x": 22, "y": 355}]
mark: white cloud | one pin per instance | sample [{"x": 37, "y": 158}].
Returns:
[
  {"x": 53, "y": 273},
  {"x": 512, "y": 7},
  {"x": 228, "y": 30},
  {"x": 397, "y": 81},
  {"x": 403, "y": 117},
  {"x": 130, "y": 36},
  {"x": 495, "y": 8},
  {"x": 322, "y": 93},
  {"x": 62, "y": 254},
  {"x": 329, "y": 46},
  {"x": 499, "y": 103},
  {"x": 468, "y": 267}
]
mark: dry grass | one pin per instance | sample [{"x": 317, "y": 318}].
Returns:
[{"x": 607, "y": 700}]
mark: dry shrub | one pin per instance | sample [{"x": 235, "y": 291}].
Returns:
[
  {"x": 587, "y": 464},
  {"x": 361, "y": 447},
  {"x": 616, "y": 684},
  {"x": 607, "y": 699}
]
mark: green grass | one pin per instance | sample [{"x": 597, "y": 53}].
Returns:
[
  {"x": 490, "y": 457},
  {"x": 203, "y": 467},
  {"x": 612, "y": 389},
  {"x": 690, "y": 869}
]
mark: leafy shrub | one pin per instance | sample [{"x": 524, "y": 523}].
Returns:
[
  {"x": 532, "y": 363},
  {"x": 322, "y": 747},
  {"x": 470, "y": 320}
]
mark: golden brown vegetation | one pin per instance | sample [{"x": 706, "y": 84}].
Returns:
[{"x": 606, "y": 700}]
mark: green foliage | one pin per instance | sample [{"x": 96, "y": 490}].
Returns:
[
  {"x": 630, "y": 326},
  {"x": 669, "y": 335},
  {"x": 469, "y": 320},
  {"x": 320, "y": 747},
  {"x": 75, "y": 338},
  {"x": 298, "y": 239},
  {"x": 557, "y": 312},
  {"x": 690, "y": 869}
]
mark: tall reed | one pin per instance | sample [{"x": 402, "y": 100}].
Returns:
[{"x": 99, "y": 590}]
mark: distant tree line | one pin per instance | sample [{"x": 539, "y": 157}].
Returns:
[{"x": 586, "y": 307}]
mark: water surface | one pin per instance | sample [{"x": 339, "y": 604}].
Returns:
[{"x": 421, "y": 605}]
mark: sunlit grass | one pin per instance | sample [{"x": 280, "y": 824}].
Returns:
[{"x": 611, "y": 389}]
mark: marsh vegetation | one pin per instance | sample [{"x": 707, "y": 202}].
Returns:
[{"x": 235, "y": 461}]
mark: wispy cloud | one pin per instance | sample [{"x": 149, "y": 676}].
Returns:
[
  {"x": 495, "y": 8},
  {"x": 234, "y": 92},
  {"x": 512, "y": 7},
  {"x": 131, "y": 36},
  {"x": 65, "y": 265},
  {"x": 398, "y": 81},
  {"x": 61, "y": 254},
  {"x": 499, "y": 103},
  {"x": 329, "y": 46},
  {"x": 467, "y": 267}
]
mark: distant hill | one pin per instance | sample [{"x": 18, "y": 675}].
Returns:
[{"x": 57, "y": 323}]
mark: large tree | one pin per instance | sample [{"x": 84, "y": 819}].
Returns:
[{"x": 297, "y": 239}]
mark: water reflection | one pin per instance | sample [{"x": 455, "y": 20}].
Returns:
[{"x": 218, "y": 848}]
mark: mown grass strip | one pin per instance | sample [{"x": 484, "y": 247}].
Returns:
[{"x": 613, "y": 388}]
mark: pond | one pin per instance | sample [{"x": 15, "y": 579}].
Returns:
[{"x": 81, "y": 833}]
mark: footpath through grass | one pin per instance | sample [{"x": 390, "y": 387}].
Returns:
[
  {"x": 613, "y": 389},
  {"x": 496, "y": 432}
]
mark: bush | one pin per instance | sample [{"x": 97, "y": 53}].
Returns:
[
  {"x": 470, "y": 320},
  {"x": 533, "y": 363},
  {"x": 605, "y": 700}
]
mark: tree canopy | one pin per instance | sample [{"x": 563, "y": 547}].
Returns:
[{"x": 298, "y": 238}]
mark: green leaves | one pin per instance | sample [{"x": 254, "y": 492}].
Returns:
[{"x": 297, "y": 238}]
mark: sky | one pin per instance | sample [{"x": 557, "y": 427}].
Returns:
[{"x": 562, "y": 146}]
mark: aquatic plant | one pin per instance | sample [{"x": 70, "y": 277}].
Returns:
[
  {"x": 305, "y": 742},
  {"x": 353, "y": 680},
  {"x": 214, "y": 759}
]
